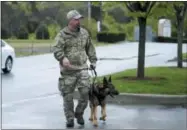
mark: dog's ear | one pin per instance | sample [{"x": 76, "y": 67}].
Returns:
[
  {"x": 110, "y": 79},
  {"x": 105, "y": 81}
]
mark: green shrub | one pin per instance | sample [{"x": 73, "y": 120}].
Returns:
[
  {"x": 32, "y": 26},
  {"x": 92, "y": 28},
  {"x": 174, "y": 33},
  {"x": 22, "y": 33},
  {"x": 32, "y": 36},
  {"x": 110, "y": 24},
  {"x": 4, "y": 34},
  {"x": 110, "y": 37},
  {"x": 168, "y": 39},
  {"x": 129, "y": 30},
  {"x": 42, "y": 32},
  {"x": 53, "y": 30}
]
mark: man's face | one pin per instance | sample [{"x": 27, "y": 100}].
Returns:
[{"x": 75, "y": 23}]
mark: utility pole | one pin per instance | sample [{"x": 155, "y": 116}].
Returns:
[
  {"x": 89, "y": 14},
  {"x": 100, "y": 7}
]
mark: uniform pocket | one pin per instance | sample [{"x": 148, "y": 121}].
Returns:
[
  {"x": 83, "y": 83},
  {"x": 84, "y": 80},
  {"x": 60, "y": 84},
  {"x": 69, "y": 81},
  {"x": 85, "y": 74},
  {"x": 67, "y": 84}
]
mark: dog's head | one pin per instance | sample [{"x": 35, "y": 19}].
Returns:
[{"x": 109, "y": 88}]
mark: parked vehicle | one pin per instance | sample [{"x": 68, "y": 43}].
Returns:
[{"x": 7, "y": 57}]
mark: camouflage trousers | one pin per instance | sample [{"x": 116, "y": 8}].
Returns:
[{"x": 67, "y": 84}]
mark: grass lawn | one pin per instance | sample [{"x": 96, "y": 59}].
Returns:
[
  {"x": 23, "y": 54},
  {"x": 174, "y": 81},
  {"x": 40, "y": 43},
  {"x": 184, "y": 55},
  {"x": 31, "y": 44}
]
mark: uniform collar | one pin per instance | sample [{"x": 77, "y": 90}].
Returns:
[{"x": 69, "y": 32}]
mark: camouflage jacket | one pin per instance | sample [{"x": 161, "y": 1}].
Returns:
[{"x": 76, "y": 46}]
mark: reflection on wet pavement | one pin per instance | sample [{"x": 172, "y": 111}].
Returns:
[{"x": 47, "y": 113}]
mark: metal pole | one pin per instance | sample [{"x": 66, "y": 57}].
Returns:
[
  {"x": 101, "y": 16},
  {"x": 89, "y": 14}
]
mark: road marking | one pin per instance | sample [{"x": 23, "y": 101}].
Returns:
[
  {"x": 29, "y": 99},
  {"x": 127, "y": 58}
]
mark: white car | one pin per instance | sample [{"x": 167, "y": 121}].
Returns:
[{"x": 7, "y": 57}]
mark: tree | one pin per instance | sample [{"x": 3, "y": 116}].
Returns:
[
  {"x": 180, "y": 13},
  {"x": 176, "y": 12},
  {"x": 141, "y": 10}
]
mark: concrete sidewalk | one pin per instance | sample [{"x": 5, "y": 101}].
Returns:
[{"x": 143, "y": 99}]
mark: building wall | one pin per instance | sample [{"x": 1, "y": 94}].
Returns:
[
  {"x": 149, "y": 33},
  {"x": 164, "y": 28}
]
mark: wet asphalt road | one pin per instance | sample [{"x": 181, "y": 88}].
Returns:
[
  {"x": 35, "y": 103},
  {"x": 47, "y": 113}
]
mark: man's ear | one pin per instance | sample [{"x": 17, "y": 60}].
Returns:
[
  {"x": 105, "y": 81},
  {"x": 110, "y": 79}
]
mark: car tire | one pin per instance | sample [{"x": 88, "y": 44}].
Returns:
[{"x": 8, "y": 65}]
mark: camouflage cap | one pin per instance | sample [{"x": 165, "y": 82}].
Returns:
[{"x": 74, "y": 14}]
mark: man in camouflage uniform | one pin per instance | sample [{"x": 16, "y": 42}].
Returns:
[{"x": 73, "y": 48}]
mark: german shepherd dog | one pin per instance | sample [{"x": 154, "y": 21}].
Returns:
[{"x": 97, "y": 97}]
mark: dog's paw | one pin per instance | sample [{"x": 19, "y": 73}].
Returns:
[
  {"x": 102, "y": 118},
  {"x": 90, "y": 119},
  {"x": 95, "y": 123}
]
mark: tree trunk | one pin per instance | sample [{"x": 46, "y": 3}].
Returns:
[
  {"x": 141, "y": 47},
  {"x": 180, "y": 40}
]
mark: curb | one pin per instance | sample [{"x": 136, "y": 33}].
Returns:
[
  {"x": 175, "y": 60},
  {"x": 145, "y": 99}
]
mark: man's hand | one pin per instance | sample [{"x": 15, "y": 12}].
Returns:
[
  {"x": 93, "y": 66},
  {"x": 65, "y": 62}
]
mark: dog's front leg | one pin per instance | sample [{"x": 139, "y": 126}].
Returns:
[
  {"x": 91, "y": 113},
  {"x": 103, "y": 112},
  {"x": 95, "y": 116}
]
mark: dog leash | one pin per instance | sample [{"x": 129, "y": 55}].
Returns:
[
  {"x": 94, "y": 74},
  {"x": 93, "y": 71}
]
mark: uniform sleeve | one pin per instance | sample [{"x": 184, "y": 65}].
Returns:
[
  {"x": 58, "y": 48},
  {"x": 91, "y": 52}
]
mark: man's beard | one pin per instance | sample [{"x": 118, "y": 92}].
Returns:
[
  {"x": 75, "y": 28},
  {"x": 78, "y": 28}
]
